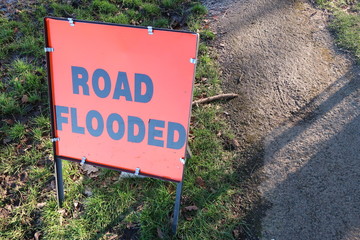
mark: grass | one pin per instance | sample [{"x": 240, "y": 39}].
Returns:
[
  {"x": 345, "y": 23},
  {"x": 102, "y": 206}
]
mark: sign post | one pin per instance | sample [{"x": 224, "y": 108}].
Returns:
[{"x": 120, "y": 97}]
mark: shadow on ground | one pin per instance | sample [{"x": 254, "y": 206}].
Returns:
[{"x": 313, "y": 168}]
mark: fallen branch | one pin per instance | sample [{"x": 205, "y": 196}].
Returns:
[{"x": 215, "y": 98}]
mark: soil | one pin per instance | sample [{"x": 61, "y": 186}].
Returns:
[{"x": 297, "y": 119}]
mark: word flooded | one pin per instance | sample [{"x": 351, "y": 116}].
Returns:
[{"x": 133, "y": 129}]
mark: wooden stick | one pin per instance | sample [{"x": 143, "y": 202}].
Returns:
[{"x": 214, "y": 98}]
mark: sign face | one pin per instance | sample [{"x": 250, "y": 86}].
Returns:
[{"x": 121, "y": 95}]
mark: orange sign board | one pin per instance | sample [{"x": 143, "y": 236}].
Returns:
[{"x": 121, "y": 95}]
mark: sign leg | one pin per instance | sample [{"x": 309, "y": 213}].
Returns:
[
  {"x": 177, "y": 207},
  {"x": 59, "y": 181}
]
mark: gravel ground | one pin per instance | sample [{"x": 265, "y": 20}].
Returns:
[{"x": 300, "y": 100}]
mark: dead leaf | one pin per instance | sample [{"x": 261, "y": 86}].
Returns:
[
  {"x": 93, "y": 175},
  {"x": 89, "y": 168},
  {"x": 191, "y": 208},
  {"x": 51, "y": 157},
  {"x": 111, "y": 236},
  {"x": 235, "y": 143},
  {"x": 53, "y": 184},
  {"x": 131, "y": 225},
  {"x": 236, "y": 233},
  {"x": 9, "y": 121},
  {"x": 27, "y": 147},
  {"x": 37, "y": 235},
  {"x": 40, "y": 205},
  {"x": 200, "y": 181},
  {"x": 6, "y": 140},
  {"x": 160, "y": 233},
  {"x": 40, "y": 146},
  {"x": 62, "y": 211},
  {"x": 9, "y": 207},
  {"x": 23, "y": 176},
  {"x": 4, "y": 213},
  {"x": 88, "y": 191},
  {"x": 24, "y": 99},
  {"x": 188, "y": 218}
]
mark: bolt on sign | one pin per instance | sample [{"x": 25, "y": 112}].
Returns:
[{"x": 121, "y": 95}]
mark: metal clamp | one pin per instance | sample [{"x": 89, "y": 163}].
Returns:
[
  {"x": 182, "y": 160},
  {"x": 55, "y": 139},
  {"x": 193, "y": 60},
  {"x": 83, "y": 159},
  {"x": 71, "y": 21},
  {"x": 150, "y": 30},
  {"x": 137, "y": 171},
  {"x": 48, "y": 49}
]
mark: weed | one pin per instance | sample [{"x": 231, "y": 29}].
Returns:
[
  {"x": 37, "y": 134},
  {"x": 134, "y": 16},
  {"x": 8, "y": 105},
  {"x": 19, "y": 66},
  {"x": 42, "y": 122},
  {"x": 207, "y": 35},
  {"x": 132, "y": 3},
  {"x": 119, "y": 19},
  {"x": 161, "y": 23},
  {"x": 170, "y": 3},
  {"x": 151, "y": 9},
  {"x": 199, "y": 9},
  {"x": 17, "y": 131},
  {"x": 104, "y": 7}
]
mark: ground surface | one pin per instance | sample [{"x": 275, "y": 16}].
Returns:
[{"x": 297, "y": 119}]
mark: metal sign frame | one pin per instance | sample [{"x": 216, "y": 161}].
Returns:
[{"x": 58, "y": 159}]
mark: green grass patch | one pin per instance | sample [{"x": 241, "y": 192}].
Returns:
[
  {"x": 345, "y": 23},
  {"x": 104, "y": 206},
  {"x": 17, "y": 131},
  {"x": 347, "y": 28}
]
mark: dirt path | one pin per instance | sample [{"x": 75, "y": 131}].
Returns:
[{"x": 300, "y": 109}]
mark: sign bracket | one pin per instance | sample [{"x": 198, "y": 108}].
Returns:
[
  {"x": 193, "y": 60},
  {"x": 48, "y": 49},
  {"x": 71, "y": 22},
  {"x": 150, "y": 30},
  {"x": 83, "y": 159}
]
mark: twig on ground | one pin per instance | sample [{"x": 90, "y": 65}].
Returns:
[{"x": 215, "y": 98}]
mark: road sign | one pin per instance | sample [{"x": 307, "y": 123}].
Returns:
[{"x": 121, "y": 95}]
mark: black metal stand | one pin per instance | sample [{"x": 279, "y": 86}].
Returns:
[
  {"x": 59, "y": 181},
  {"x": 177, "y": 207},
  {"x": 60, "y": 190},
  {"x": 178, "y": 196}
]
